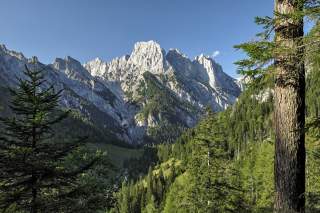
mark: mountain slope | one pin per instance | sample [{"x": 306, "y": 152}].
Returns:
[
  {"x": 238, "y": 177},
  {"x": 136, "y": 96}
]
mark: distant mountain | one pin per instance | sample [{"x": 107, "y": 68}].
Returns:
[{"x": 135, "y": 97}]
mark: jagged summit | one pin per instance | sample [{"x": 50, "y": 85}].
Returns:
[
  {"x": 19, "y": 55},
  {"x": 3, "y": 47},
  {"x": 134, "y": 93},
  {"x": 147, "y": 45},
  {"x": 217, "y": 78},
  {"x": 33, "y": 59},
  {"x": 71, "y": 67},
  {"x": 97, "y": 59},
  {"x": 177, "y": 51},
  {"x": 147, "y": 49},
  {"x": 148, "y": 56},
  {"x": 96, "y": 67},
  {"x": 203, "y": 56}
]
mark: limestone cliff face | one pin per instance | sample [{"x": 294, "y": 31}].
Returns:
[{"x": 135, "y": 95}]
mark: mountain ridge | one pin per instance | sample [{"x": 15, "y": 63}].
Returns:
[{"x": 135, "y": 95}]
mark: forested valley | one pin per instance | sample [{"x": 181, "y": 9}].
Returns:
[{"x": 261, "y": 154}]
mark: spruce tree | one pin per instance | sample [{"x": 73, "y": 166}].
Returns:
[
  {"x": 280, "y": 52},
  {"x": 34, "y": 175},
  {"x": 211, "y": 169}
]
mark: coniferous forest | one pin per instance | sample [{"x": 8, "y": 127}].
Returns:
[{"x": 260, "y": 154}]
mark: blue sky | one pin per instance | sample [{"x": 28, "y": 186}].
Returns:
[{"x": 86, "y": 29}]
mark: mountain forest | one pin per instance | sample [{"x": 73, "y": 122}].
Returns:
[{"x": 157, "y": 132}]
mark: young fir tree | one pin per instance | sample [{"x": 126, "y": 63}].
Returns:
[
  {"x": 280, "y": 52},
  {"x": 33, "y": 174},
  {"x": 212, "y": 171}
]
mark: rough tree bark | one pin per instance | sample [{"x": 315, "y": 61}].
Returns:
[{"x": 289, "y": 109}]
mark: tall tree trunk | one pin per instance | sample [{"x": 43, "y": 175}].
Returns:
[{"x": 289, "y": 109}]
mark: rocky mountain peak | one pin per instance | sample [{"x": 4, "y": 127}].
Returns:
[
  {"x": 143, "y": 46},
  {"x": 175, "y": 53},
  {"x": 180, "y": 62},
  {"x": 134, "y": 93},
  {"x": 98, "y": 60},
  {"x": 72, "y": 68},
  {"x": 148, "y": 56},
  {"x": 18, "y": 55},
  {"x": 218, "y": 79},
  {"x": 34, "y": 60},
  {"x": 204, "y": 59},
  {"x": 96, "y": 67},
  {"x": 3, "y": 48}
]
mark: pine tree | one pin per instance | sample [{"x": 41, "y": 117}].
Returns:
[
  {"x": 283, "y": 57},
  {"x": 124, "y": 199},
  {"x": 151, "y": 206},
  {"x": 211, "y": 169},
  {"x": 34, "y": 176}
]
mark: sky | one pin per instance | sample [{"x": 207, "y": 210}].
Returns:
[{"x": 86, "y": 29}]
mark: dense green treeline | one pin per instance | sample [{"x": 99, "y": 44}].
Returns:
[
  {"x": 206, "y": 176},
  {"x": 225, "y": 163}
]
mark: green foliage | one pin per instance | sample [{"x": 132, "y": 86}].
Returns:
[
  {"x": 265, "y": 48},
  {"x": 313, "y": 175},
  {"x": 35, "y": 174},
  {"x": 256, "y": 168},
  {"x": 260, "y": 55},
  {"x": 166, "y": 132},
  {"x": 138, "y": 165},
  {"x": 177, "y": 201},
  {"x": 147, "y": 194},
  {"x": 237, "y": 145},
  {"x": 313, "y": 66},
  {"x": 161, "y": 105},
  {"x": 212, "y": 170}
]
